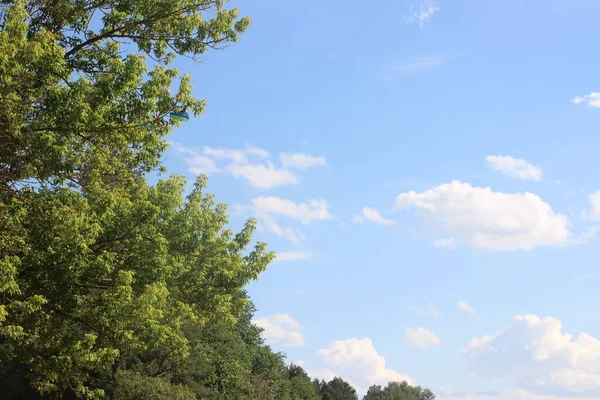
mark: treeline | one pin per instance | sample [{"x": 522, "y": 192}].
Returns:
[{"x": 111, "y": 288}]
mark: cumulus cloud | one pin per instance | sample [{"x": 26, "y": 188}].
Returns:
[
  {"x": 422, "y": 338},
  {"x": 592, "y": 100},
  {"x": 371, "y": 214},
  {"x": 539, "y": 357},
  {"x": 313, "y": 210},
  {"x": 426, "y": 10},
  {"x": 466, "y": 307},
  {"x": 489, "y": 220},
  {"x": 514, "y": 167},
  {"x": 281, "y": 329},
  {"x": 293, "y": 256},
  {"x": 357, "y": 361},
  {"x": 301, "y": 161}
]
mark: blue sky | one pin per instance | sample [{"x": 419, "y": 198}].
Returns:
[{"x": 427, "y": 173}]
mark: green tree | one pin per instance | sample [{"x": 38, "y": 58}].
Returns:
[
  {"x": 301, "y": 387},
  {"x": 75, "y": 107},
  {"x": 375, "y": 392},
  {"x": 398, "y": 391},
  {"x": 103, "y": 279},
  {"x": 338, "y": 389}
]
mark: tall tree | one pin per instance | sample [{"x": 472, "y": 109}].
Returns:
[{"x": 98, "y": 270}]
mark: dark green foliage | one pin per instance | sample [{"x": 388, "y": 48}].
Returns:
[
  {"x": 301, "y": 387},
  {"x": 135, "y": 386},
  {"x": 398, "y": 391},
  {"x": 338, "y": 389}
]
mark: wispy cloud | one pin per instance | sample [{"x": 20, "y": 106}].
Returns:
[
  {"x": 592, "y": 100},
  {"x": 301, "y": 160},
  {"x": 422, "y": 338},
  {"x": 263, "y": 176},
  {"x": 514, "y": 167},
  {"x": 371, "y": 214},
  {"x": 313, "y": 210},
  {"x": 466, "y": 307},
  {"x": 250, "y": 163},
  {"x": 430, "y": 312},
  {"x": 426, "y": 10},
  {"x": 268, "y": 209},
  {"x": 293, "y": 256},
  {"x": 409, "y": 66},
  {"x": 594, "y": 199},
  {"x": 269, "y": 222},
  {"x": 237, "y": 156},
  {"x": 445, "y": 243}
]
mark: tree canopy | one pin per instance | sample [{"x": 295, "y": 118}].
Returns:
[
  {"x": 398, "y": 391},
  {"x": 112, "y": 288}
]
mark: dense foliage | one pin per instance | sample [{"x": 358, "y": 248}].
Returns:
[{"x": 111, "y": 287}]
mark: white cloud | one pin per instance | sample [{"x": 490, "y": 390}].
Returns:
[
  {"x": 237, "y": 156},
  {"x": 489, "y": 220},
  {"x": 322, "y": 374},
  {"x": 466, "y": 307},
  {"x": 314, "y": 210},
  {"x": 269, "y": 222},
  {"x": 198, "y": 164},
  {"x": 371, "y": 214},
  {"x": 202, "y": 165},
  {"x": 267, "y": 210},
  {"x": 426, "y": 10},
  {"x": 301, "y": 161},
  {"x": 431, "y": 312},
  {"x": 514, "y": 167},
  {"x": 422, "y": 338},
  {"x": 281, "y": 329},
  {"x": 594, "y": 199},
  {"x": 592, "y": 100},
  {"x": 263, "y": 176},
  {"x": 357, "y": 361},
  {"x": 539, "y": 357},
  {"x": 293, "y": 256},
  {"x": 515, "y": 395},
  {"x": 445, "y": 243}
]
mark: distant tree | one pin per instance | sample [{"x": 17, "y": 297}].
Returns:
[
  {"x": 338, "y": 389},
  {"x": 319, "y": 385},
  {"x": 374, "y": 393},
  {"x": 398, "y": 391},
  {"x": 301, "y": 387}
]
